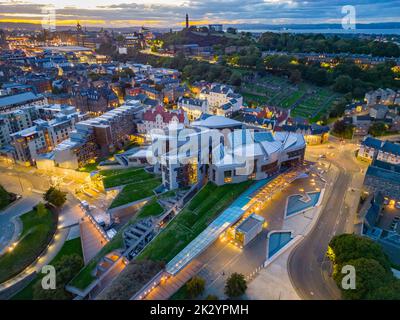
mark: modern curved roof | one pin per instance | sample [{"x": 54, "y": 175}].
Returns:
[{"x": 217, "y": 122}]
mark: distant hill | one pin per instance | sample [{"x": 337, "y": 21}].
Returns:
[
  {"x": 383, "y": 25},
  {"x": 244, "y": 26}
]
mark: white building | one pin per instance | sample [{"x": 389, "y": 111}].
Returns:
[
  {"x": 226, "y": 151},
  {"x": 382, "y": 96},
  {"x": 222, "y": 100},
  {"x": 194, "y": 108}
]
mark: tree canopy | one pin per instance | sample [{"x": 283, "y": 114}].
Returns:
[
  {"x": 55, "y": 196},
  {"x": 235, "y": 285},
  {"x": 374, "y": 278}
]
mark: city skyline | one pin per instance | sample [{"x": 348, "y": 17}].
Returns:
[{"x": 164, "y": 13}]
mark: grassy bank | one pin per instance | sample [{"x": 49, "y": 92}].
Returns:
[
  {"x": 39, "y": 227},
  {"x": 69, "y": 248},
  {"x": 193, "y": 219},
  {"x": 5, "y": 198}
]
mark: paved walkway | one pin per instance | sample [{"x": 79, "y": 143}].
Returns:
[
  {"x": 166, "y": 289},
  {"x": 273, "y": 283},
  {"x": 44, "y": 259},
  {"x": 92, "y": 239}
]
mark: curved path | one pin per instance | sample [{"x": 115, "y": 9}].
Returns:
[{"x": 32, "y": 186}]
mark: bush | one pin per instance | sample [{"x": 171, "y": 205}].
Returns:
[
  {"x": 195, "y": 287},
  {"x": 235, "y": 285}
]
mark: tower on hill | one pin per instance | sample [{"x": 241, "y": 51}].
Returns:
[{"x": 187, "y": 21}]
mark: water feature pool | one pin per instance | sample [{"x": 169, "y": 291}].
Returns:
[
  {"x": 277, "y": 240},
  {"x": 297, "y": 203}
]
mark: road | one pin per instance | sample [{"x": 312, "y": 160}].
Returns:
[{"x": 308, "y": 268}]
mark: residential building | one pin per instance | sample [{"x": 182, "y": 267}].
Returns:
[
  {"x": 216, "y": 27},
  {"x": 382, "y": 96},
  {"x": 194, "y": 108},
  {"x": 222, "y": 100},
  {"x": 381, "y": 223},
  {"x": 42, "y": 137},
  {"x": 14, "y": 121},
  {"x": 160, "y": 118},
  {"x": 94, "y": 100},
  {"x": 369, "y": 149},
  {"x": 378, "y": 112},
  {"x": 99, "y": 136},
  {"x": 13, "y": 102}
]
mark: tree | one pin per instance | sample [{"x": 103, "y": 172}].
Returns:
[
  {"x": 370, "y": 276},
  {"x": 195, "y": 287},
  {"x": 351, "y": 247},
  {"x": 235, "y": 79},
  {"x": 235, "y": 285},
  {"x": 212, "y": 297},
  {"x": 343, "y": 84},
  {"x": 342, "y": 129},
  {"x": 295, "y": 76},
  {"x": 374, "y": 277},
  {"x": 378, "y": 129},
  {"x": 388, "y": 292},
  {"x": 55, "y": 196}
]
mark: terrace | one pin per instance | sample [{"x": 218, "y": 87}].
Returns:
[
  {"x": 136, "y": 184},
  {"x": 86, "y": 276}
]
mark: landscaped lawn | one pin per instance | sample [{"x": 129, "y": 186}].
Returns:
[
  {"x": 136, "y": 191},
  {"x": 5, "y": 198},
  {"x": 69, "y": 248},
  {"x": 152, "y": 208},
  {"x": 115, "y": 178},
  {"x": 38, "y": 230},
  {"x": 85, "y": 278},
  {"x": 193, "y": 219}
]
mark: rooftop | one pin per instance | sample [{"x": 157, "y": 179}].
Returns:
[
  {"x": 217, "y": 122},
  {"x": 18, "y": 99}
]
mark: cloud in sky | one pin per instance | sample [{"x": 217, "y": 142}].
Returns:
[{"x": 171, "y": 13}]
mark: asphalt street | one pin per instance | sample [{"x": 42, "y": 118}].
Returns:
[{"x": 308, "y": 267}]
